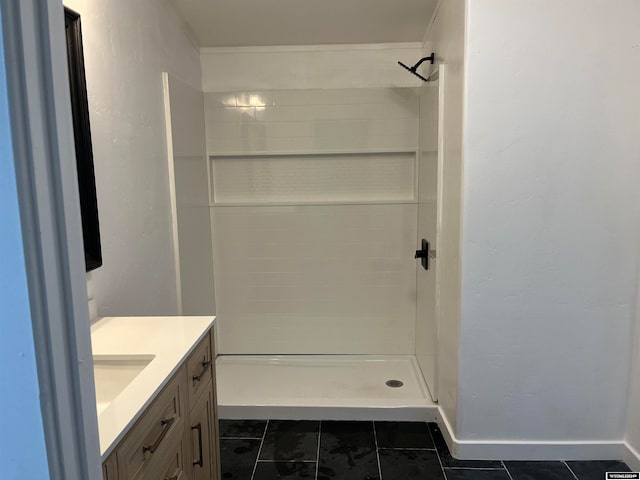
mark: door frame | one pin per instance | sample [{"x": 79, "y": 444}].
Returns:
[{"x": 44, "y": 157}]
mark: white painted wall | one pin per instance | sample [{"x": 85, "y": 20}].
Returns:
[
  {"x": 633, "y": 416},
  {"x": 308, "y": 67},
  {"x": 551, "y": 211},
  {"x": 23, "y": 453},
  {"x": 446, "y": 37},
  {"x": 127, "y": 47},
  {"x": 93, "y": 305}
]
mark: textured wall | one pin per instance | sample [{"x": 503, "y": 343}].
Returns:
[
  {"x": 127, "y": 47},
  {"x": 551, "y": 210},
  {"x": 633, "y": 419}
]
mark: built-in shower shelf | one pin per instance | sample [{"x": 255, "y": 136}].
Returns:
[
  {"x": 271, "y": 153},
  {"x": 321, "y": 178},
  {"x": 311, "y": 204}
]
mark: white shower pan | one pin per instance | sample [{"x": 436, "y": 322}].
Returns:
[{"x": 322, "y": 387}]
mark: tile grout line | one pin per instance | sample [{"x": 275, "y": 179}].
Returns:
[
  {"x": 375, "y": 438},
  {"x": 482, "y": 469},
  {"x": 572, "y": 472},
  {"x": 286, "y": 461},
  {"x": 240, "y": 438},
  {"x": 444, "y": 473},
  {"x": 506, "y": 469},
  {"x": 260, "y": 449},
  {"x": 318, "y": 454}
]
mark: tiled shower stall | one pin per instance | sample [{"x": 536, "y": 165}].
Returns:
[{"x": 318, "y": 201}]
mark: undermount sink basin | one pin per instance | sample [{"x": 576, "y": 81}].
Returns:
[{"x": 113, "y": 373}]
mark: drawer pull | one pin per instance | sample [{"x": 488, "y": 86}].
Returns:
[
  {"x": 176, "y": 476},
  {"x": 166, "y": 425},
  {"x": 200, "y": 461},
  {"x": 205, "y": 365}
]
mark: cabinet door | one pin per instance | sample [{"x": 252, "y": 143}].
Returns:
[
  {"x": 110, "y": 469},
  {"x": 200, "y": 366},
  {"x": 202, "y": 437},
  {"x": 215, "y": 433}
]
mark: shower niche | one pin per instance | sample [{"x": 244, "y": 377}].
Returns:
[{"x": 313, "y": 178}]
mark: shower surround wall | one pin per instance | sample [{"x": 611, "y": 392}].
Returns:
[
  {"x": 308, "y": 67},
  {"x": 188, "y": 171},
  {"x": 429, "y": 217},
  {"x": 446, "y": 37},
  {"x": 314, "y": 210}
]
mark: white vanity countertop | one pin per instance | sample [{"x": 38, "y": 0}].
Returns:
[{"x": 169, "y": 339}]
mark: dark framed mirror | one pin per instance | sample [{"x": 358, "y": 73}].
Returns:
[{"x": 82, "y": 136}]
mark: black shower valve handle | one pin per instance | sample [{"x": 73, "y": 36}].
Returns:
[{"x": 423, "y": 254}]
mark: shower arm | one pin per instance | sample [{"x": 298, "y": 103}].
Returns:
[{"x": 431, "y": 59}]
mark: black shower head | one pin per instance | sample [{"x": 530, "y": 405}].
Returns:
[
  {"x": 413, "y": 71},
  {"x": 431, "y": 59}
]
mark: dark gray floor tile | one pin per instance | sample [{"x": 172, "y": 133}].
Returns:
[
  {"x": 237, "y": 458},
  {"x": 595, "y": 470},
  {"x": 290, "y": 441},
  {"x": 539, "y": 471},
  {"x": 403, "y": 435},
  {"x": 410, "y": 465},
  {"x": 471, "y": 474},
  {"x": 242, "y": 428},
  {"x": 347, "y": 451},
  {"x": 285, "y": 470},
  {"x": 449, "y": 461}
]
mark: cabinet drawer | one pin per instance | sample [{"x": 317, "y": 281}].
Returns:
[
  {"x": 199, "y": 369},
  {"x": 173, "y": 464},
  {"x": 159, "y": 427}
]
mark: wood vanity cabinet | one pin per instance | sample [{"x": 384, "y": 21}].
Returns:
[
  {"x": 176, "y": 438},
  {"x": 203, "y": 412}
]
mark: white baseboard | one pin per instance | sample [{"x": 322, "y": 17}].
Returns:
[
  {"x": 531, "y": 450},
  {"x": 631, "y": 457}
]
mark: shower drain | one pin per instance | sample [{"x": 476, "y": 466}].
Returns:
[{"x": 394, "y": 383}]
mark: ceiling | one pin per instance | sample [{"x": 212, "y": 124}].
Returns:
[{"x": 235, "y": 23}]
